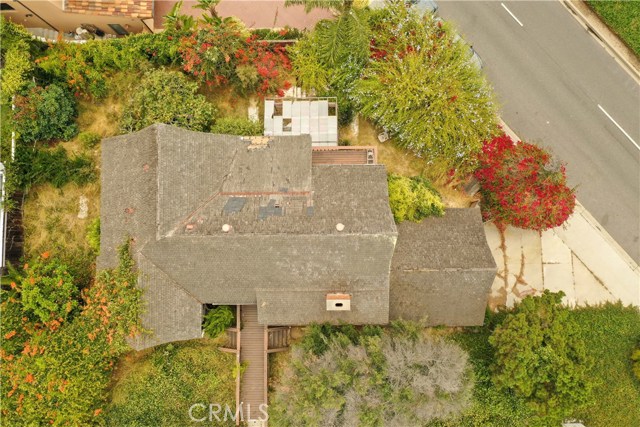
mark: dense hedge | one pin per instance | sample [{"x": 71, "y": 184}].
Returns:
[{"x": 237, "y": 126}]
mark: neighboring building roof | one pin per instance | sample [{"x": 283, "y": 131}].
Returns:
[
  {"x": 173, "y": 190},
  {"x": 132, "y": 8}
]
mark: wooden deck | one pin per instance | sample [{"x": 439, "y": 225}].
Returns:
[
  {"x": 332, "y": 155},
  {"x": 252, "y": 343},
  {"x": 253, "y": 386}
]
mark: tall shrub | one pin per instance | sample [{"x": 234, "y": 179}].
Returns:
[
  {"x": 221, "y": 52},
  {"x": 540, "y": 356},
  {"x": 523, "y": 186},
  {"x": 15, "y": 58},
  {"x": 45, "y": 114},
  {"x": 169, "y": 97},
  {"x": 421, "y": 87},
  {"x": 372, "y": 379}
]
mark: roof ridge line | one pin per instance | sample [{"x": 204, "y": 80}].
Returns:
[{"x": 173, "y": 281}]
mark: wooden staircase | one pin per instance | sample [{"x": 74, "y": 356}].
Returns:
[
  {"x": 252, "y": 342},
  {"x": 253, "y": 354}
]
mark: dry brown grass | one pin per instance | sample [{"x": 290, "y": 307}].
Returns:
[
  {"x": 51, "y": 220},
  {"x": 402, "y": 162},
  {"x": 227, "y": 102}
]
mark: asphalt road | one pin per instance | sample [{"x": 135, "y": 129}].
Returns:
[{"x": 550, "y": 75}]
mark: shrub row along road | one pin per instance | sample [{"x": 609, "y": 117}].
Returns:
[{"x": 557, "y": 86}]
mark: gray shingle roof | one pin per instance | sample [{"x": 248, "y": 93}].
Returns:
[
  {"x": 171, "y": 190},
  {"x": 442, "y": 270}
]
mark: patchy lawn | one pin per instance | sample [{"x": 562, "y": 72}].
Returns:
[
  {"x": 611, "y": 332},
  {"x": 402, "y": 162},
  {"x": 157, "y": 387},
  {"x": 623, "y": 17}
]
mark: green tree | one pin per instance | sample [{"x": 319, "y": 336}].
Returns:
[
  {"x": 45, "y": 114},
  {"x": 330, "y": 58},
  {"x": 421, "y": 87},
  {"x": 540, "y": 355},
  {"x": 165, "y": 96}
]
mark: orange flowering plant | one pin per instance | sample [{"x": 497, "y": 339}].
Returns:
[{"x": 57, "y": 371}]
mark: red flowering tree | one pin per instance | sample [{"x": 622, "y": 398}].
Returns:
[
  {"x": 218, "y": 54},
  {"x": 523, "y": 186}
]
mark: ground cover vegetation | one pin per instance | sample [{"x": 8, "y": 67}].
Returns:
[
  {"x": 157, "y": 387},
  {"x": 623, "y": 17},
  {"x": 371, "y": 377}
]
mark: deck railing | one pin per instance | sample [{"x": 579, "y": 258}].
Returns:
[{"x": 278, "y": 338}]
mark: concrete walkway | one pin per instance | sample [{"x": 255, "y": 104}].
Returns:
[{"x": 580, "y": 259}]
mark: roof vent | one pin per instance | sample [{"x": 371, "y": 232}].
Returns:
[
  {"x": 339, "y": 226},
  {"x": 226, "y": 228}
]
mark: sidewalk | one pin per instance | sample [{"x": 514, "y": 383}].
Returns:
[{"x": 580, "y": 258}]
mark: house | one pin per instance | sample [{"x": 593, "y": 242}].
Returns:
[
  {"x": 50, "y": 19},
  {"x": 219, "y": 219}
]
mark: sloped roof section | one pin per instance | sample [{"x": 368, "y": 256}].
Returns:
[
  {"x": 442, "y": 270},
  {"x": 212, "y": 218}
]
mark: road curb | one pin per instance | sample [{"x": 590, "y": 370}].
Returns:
[
  {"x": 593, "y": 24},
  {"x": 582, "y": 211}
]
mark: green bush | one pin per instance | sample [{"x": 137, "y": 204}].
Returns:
[
  {"x": 371, "y": 378},
  {"x": 162, "y": 385},
  {"x": 15, "y": 58},
  {"x": 59, "y": 374},
  {"x": 45, "y": 114},
  {"x": 413, "y": 198},
  {"x": 165, "y": 96},
  {"x": 217, "y": 320},
  {"x": 635, "y": 358},
  {"x": 93, "y": 235},
  {"x": 47, "y": 291},
  {"x": 540, "y": 356},
  {"x": 89, "y": 139},
  {"x": 34, "y": 166},
  {"x": 237, "y": 126},
  {"x": 421, "y": 87}
]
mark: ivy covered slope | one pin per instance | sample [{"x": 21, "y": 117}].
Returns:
[{"x": 60, "y": 342}]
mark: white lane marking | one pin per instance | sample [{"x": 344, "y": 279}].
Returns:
[
  {"x": 619, "y": 127},
  {"x": 512, "y": 15}
]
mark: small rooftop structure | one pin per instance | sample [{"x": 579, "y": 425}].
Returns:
[{"x": 317, "y": 117}]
